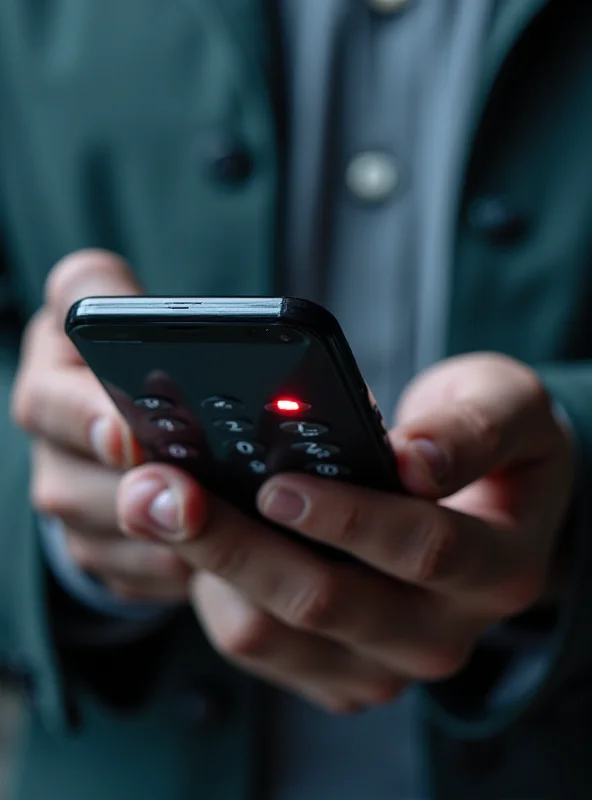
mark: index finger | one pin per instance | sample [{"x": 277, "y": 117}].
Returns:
[
  {"x": 407, "y": 538},
  {"x": 55, "y": 394}
]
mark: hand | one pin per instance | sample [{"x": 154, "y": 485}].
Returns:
[
  {"x": 432, "y": 577},
  {"x": 81, "y": 445}
]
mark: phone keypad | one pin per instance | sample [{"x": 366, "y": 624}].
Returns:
[{"x": 306, "y": 454}]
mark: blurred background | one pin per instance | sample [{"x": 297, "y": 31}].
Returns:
[{"x": 10, "y": 720}]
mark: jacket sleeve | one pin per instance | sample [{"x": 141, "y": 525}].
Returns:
[
  {"x": 551, "y": 648},
  {"x": 26, "y": 651}
]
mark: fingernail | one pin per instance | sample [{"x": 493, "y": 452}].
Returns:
[
  {"x": 99, "y": 439},
  {"x": 435, "y": 461},
  {"x": 283, "y": 505},
  {"x": 164, "y": 511}
]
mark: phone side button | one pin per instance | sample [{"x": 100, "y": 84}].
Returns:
[{"x": 326, "y": 470}]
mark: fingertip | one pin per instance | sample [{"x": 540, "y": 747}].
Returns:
[
  {"x": 85, "y": 273},
  {"x": 113, "y": 443},
  {"x": 160, "y": 503},
  {"x": 423, "y": 465}
]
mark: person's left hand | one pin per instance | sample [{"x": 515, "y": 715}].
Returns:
[{"x": 434, "y": 573}]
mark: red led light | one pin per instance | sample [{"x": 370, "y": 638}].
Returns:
[{"x": 287, "y": 405}]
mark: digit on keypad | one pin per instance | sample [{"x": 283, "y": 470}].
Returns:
[
  {"x": 307, "y": 429},
  {"x": 234, "y": 425},
  {"x": 316, "y": 450}
]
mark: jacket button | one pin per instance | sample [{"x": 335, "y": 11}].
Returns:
[
  {"x": 491, "y": 216},
  {"x": 232, "y": 165},
  {"x": 202, "y": 705},
  {"x": 372, "y": 176}
]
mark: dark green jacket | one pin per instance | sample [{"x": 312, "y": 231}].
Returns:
[{"x": 112, "y": 118}]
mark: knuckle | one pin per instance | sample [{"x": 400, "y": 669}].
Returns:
[
  {"x": 226, "y": 556},
  {"x": 378, "y": 693},
  {"x": 441, "y": 663},
  {"x": 483, "y": 428},
  {"x": 317, "y": 606},
  {"x": 433, "y": 550},
  {"x": 350, "y": 526},
  {"x": 521, "y": 594},
  {"x": 250, "y": 639},
  {"x": 25, "y": 405},
  {"x": 50, "y": 497},
  {"x": 172, "y": 567},
  {"x": 124, "y": 590},
  {"x": 340, "y": 707},
  {"x": 82, "y": 553}
]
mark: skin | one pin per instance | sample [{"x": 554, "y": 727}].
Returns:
[{"x": 489, "y": 466}]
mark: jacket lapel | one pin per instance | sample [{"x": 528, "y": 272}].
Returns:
[{"x": 510, "y": 21}]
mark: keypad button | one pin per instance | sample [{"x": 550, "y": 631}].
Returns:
[
  {"x": 328, "y": 470},
  {"x": 169, "y": 424},
  {"x": 237, "y": 426},
  {"x": 222, "y": 404},
  {"x": 180, "y": 452},
  {"x": 258, "y": 467},
  {"x": 153, "y": 403},
  {"x": 316, "y": 449},
  {"x": 310, "y": 430},
  {"x": 245, "y": 448}
]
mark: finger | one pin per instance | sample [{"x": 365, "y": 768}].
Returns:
[
  {"x": 290, "y": 581},
  {"x": 410, "y": 539},
  {"x": 87, "y": 273},
  {"x": 55, "y": 395},
  {"x": 144, "y": 564},
  {"x": 321, "y": 671},
  {"x": 487, "y": 415},
  {"x": 69, "y": 408},
  {"x": 80, "y": 492},
  {"x": 161, "y": 593}
]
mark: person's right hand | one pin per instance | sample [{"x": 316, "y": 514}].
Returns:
[{"x": 81, "y": 445}]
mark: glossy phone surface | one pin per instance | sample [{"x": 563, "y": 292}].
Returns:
[{"x": 236, "y": 389}]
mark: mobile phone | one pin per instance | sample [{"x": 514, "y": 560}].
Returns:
[{"x": 234, "y": 390}]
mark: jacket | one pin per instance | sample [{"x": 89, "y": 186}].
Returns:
[{"x": 126, "y": 126}]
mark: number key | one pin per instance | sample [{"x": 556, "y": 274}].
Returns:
[
  {"x": 310, "y": 430},
  {"x": 328, "y": 470},
  {"x": 222, "y": 404},
  {"x": 237, "y": 426},
  {"x": 245, "y": 448},
  {"x": 316, "y": 449}
]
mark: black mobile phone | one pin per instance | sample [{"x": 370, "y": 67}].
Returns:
[{"x": 237, "y": 389}]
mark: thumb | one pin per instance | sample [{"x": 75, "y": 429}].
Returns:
[
  {"x": 87, "y": 273},
  {"x": 477, "y": 415}
]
